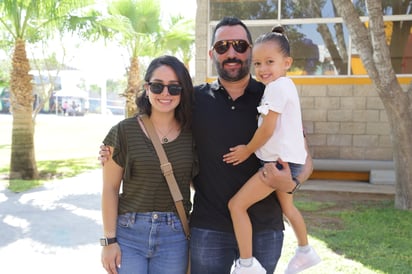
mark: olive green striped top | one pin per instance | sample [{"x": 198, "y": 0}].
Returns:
[{"x": 144, "y": 188}]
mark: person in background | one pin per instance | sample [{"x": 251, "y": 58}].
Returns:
[
  {"x": 142, "y": 230},
  {"x": 279, "y": 136},
  {"x": 65, "y": 107},
  {"x": 224, "y": 114}
]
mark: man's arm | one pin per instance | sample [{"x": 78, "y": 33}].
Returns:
[
  {"x": 307, "y": 168},
  {"x": 104, "y": 154},
  {"x": 281, "y": 180}
]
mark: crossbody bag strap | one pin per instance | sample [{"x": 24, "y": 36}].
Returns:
[{"x": 167, "y": 171}]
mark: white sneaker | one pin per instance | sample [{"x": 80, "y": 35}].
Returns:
[
  {"x": 301, "y": 261},
  {"x": 255, "y": 268}
]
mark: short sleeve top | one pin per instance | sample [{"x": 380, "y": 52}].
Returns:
[{"x": 144, "y": 188}]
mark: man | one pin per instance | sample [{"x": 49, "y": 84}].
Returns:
[{"x": 225, "y": 115}]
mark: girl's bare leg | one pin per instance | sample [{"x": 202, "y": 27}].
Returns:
[
  {"x": 305, "y": 256},
  {"x": 252, "y": 191},
  {"x": 294, "y": 216}
]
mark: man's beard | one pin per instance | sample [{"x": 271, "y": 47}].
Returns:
[{"x": 233, "y": 76}]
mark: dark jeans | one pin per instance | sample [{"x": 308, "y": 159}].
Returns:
[{"x": 214, "y": 252}]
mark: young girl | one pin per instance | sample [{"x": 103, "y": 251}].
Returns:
[{"x": 279, "y": 138}]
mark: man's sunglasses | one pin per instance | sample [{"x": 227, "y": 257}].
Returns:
[
  {"x": 157, "y": 88},
  {"x": 222, "y": 46}
]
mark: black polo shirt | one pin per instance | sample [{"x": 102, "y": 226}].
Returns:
[{"x": 218, "y": 124}]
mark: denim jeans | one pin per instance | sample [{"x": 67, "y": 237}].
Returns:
[
  {"x": 214, "y": 252},
  {"x": 152, "y": 243}
]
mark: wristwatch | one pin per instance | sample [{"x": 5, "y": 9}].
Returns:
[
  {"x": 297, "y": 186},
  {"x": 107, "y": 241}
]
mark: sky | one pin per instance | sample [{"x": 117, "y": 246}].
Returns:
[
  {"x": 118, "y": 60},
  {"x": 186, "y": 8},
  {"x": 99, "y": 61}
]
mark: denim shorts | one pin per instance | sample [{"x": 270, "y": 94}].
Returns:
[
  {"x": 152, "y": 242},
  {"x": 295, "y": 169}
]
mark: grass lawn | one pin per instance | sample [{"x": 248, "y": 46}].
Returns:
[
  {"x": 351, "y": 235},
  {"x": 65, "y": 146}
]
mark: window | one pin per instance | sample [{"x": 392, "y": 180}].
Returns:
[{"x": 319, "y": 40}]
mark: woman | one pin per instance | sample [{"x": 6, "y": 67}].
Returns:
[{"x": 143, "y": 232}]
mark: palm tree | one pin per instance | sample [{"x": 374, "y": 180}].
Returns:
[
  {"x": 137, "y": 24},
  {"x": 28, "y": 21},
  {"x": 179, "y": 38}
]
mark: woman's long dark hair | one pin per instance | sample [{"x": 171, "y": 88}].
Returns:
[{"x": 183, "y": 111}]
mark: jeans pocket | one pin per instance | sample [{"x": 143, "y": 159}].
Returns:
[
  {"x": 124, "y": 220},
  {"x": 176, "y": 226}
]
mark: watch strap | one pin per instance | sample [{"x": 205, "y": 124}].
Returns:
[
  {"x": 297, "y": 186},
  {"x": 107, "y": 241}
]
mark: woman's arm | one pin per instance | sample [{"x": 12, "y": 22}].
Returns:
[{"x": 112, "y": 177}]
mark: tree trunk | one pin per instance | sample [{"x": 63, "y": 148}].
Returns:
[
  {"x": 327, "y": 37},
  {"x": 374, "y": 52},
  {"x": 132, "y": 87},
  {"x": 400, "y": 119},
  {"x": 22, "y": 163}
]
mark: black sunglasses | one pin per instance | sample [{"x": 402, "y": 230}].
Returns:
[
  {"x": 157, "y": 88},
  {"x": 222, "y": 46}
]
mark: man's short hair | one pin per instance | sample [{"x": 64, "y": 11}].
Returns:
[{"x": 231, "y": 21}]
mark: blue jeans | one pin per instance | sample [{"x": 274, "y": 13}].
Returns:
[
  {"x": 214, "y": 252},
  {"x": 152, "y": 243}
]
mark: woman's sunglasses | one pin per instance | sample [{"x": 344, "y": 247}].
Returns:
[
  {"x": 157, "y": 88},
  {"x": 222, "y": 46}
]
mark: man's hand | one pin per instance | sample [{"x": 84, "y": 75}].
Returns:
[
  {"x": 280, "y": 180},
  {"x": 104, "y": 154}
]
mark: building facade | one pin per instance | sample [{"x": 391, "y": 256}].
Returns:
[{"x": 342, "y": 113}]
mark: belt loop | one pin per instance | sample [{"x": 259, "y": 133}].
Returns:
[{"x": 169, "y": 218}]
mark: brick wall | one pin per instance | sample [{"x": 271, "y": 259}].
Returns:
[{"x": 345, "y": 122}]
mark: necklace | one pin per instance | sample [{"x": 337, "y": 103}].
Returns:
[{"x": 164, "y": 138}]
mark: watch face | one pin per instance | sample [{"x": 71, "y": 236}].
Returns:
[{"x": 103, "y": 242}]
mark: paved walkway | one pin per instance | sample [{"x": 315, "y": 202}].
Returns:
[
  {"x": 52, "y": 229},
  {"x": 348, "y": 186},
  {"x": 55, "y": 228}
]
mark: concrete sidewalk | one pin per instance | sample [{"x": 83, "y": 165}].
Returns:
[
  {"x": 348, "y": 186},
  {"x": 55, "y": 228},
  {"x": 52, "y": 229}
]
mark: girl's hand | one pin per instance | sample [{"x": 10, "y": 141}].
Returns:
[{"x": 237, "y": 155}]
